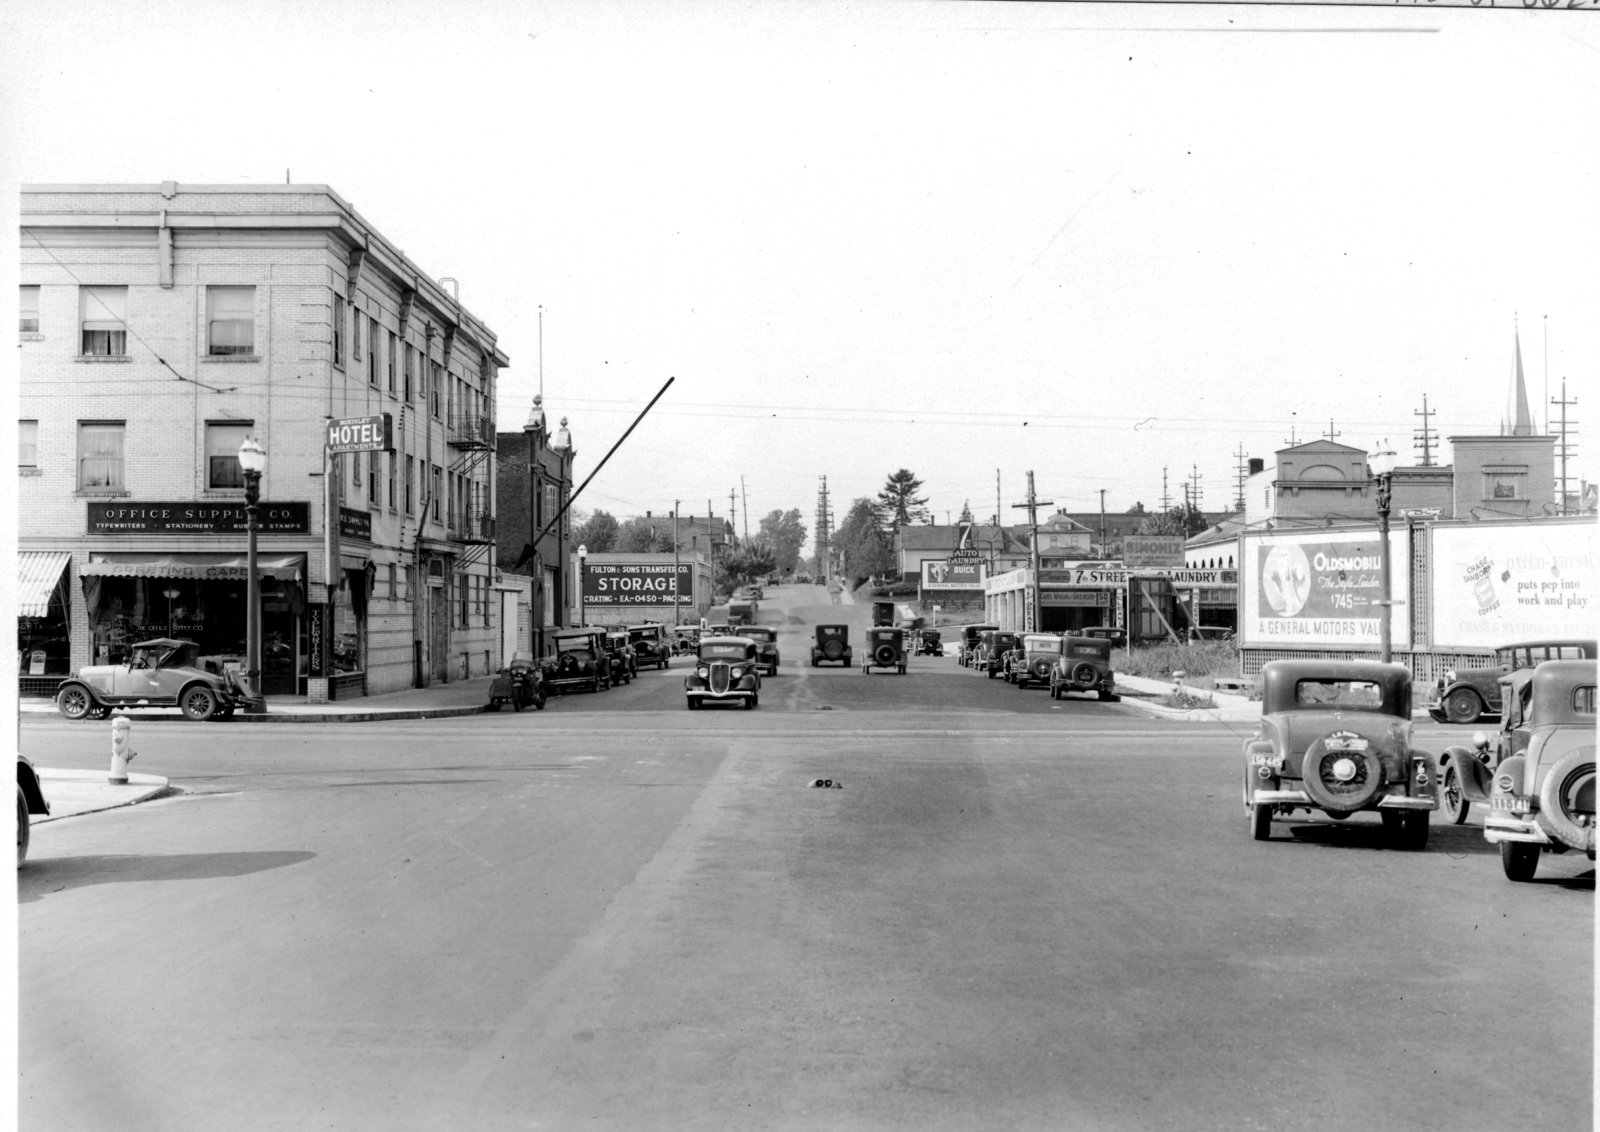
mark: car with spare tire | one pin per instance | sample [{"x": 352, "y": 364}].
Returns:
[
  {"x": 1084, "y": 665},
  {"x": 833, "y": 646},
  {"x": 885, "y": 648},
  {"x": 967, "y": 650},
  {"x": 165, "y": 672},
  {"x": 766, "y": 639},
  {"x": 1335, "y": 738},
  {"x": 1031, "y": 661}
]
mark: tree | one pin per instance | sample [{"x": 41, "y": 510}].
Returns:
[
  {"x": 899, "y": 504},
  {"x": 643, "y": 536},
  {"x": 862, "y": 541},
  {"x": 785, "y": 533},
  {"x": 598, "y": 532},
  {"x": 1183, "y": 519},
  {"x": 752, "y": 561}
]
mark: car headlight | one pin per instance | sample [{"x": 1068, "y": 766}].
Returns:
[
  {"x": 702, "y": 672},
  {"x": 736, "y": 673}
]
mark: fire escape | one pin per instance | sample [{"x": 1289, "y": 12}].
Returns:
[{"x": 470, "y": 521}]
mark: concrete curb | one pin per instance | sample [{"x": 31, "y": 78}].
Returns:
[{"x": 75, "y": 792}]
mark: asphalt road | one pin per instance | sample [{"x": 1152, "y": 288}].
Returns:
[{"x": 1010, "y": 913}]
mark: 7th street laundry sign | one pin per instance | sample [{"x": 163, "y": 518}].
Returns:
[{"x": 635, "y": 583}]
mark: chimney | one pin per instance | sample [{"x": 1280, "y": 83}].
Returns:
[
  {"x": 647, "y": 515},
  {"x": 1257, "y": 465}
]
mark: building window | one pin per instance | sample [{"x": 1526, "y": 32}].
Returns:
[
  {"x": 1502, "y": 485},
  {"x": 438, "y": 489},
  {"x": 549, "y": 505},
  {"x": 222, "y": 453},
  {"x": 28, "y": 309},
  {"x": 389, "y": 359},
  {"x": 27, "y": 444},
  {"x": 100, "y": 455},
  {"x": 410, "y": 370},
  {"x": 394, "y": 463},
  {"x": 436, "y": 379},
  {"x": 393, "y": 592},
  {"x": 355, "y": 335},
  {"x": 338, "y": 331},
  {"x": 411, "y": 479},
  {"x": 103, "y": 316},
  {"x": 230, "y": 320},
  {"x": 373, "y": 339},
  {"x": 372, "y": 478}
]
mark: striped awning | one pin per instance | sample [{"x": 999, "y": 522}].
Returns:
[
  {"x": 201, "y": 567},
  {"x": 38, "y": 574}
]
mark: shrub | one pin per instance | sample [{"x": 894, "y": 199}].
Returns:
[{"x": 1159, "y": 662}]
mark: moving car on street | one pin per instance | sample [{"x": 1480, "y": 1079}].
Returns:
[
  {"x": 928, "y": 643},
  {"x": 742, "y": 611},
  {"x": 650, "y": 645},
  {"x": 160, "y": 673},
  {"x": 1084, "y": 665},
  {"x": 1541, "y": 795},
  {"x": 885, "y": 648},
  {"x": 1465, "y": 695},
  {"x": 684, "y": 639},
  {"x": 580, "y": 661},
  {"x": 1335, "y": 736},
  {"x": 726, "y": 670},
  {"x": 833, "y": 646},
  {"x": 766, "y": 639}
]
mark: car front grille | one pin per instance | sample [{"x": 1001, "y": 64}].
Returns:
[{"x": 718, "y": 680}]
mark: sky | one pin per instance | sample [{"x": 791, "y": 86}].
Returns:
[{"x": 1123, "y": 247}]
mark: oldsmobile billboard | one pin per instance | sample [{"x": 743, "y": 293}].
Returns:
[
  {"x": 636, "y": 583},
  {"x": 1496, "y": 584},
  {"x": 1322, "y": 590}
]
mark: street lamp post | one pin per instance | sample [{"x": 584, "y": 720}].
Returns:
[
  {"x": 583, "y": 554},
  {"x": 253, "y": 461},
  {"x": 1382, "y": 462}
]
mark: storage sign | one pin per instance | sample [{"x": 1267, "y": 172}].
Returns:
[
  {"x": 636, "y": 583},
  {"x": 362, "y": 434}
]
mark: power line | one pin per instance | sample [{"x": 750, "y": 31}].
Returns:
[{"x": 1424, "y": 439}]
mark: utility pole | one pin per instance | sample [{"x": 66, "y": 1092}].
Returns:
[
  {"x": 1330, "y": 434},
  {"x": 1033, "y": 504},
  {"x": 676, "y": 503},
  {"x": 733, "y": 509},
  {"x": 1194, "y": 479},
  {"x": 1102, "y": 522},
  {"x": 1166, "y": 497},
  {"x": 745, "y": 495},
  {"x": 1241, "y": 474},
  {"x": 1567, "y": 448},
  {"x": 1423, "y": 439},
  {"x": 824, "y": 527},
  {"x": 998, "y": 514}
]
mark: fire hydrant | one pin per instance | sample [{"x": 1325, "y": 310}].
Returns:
[{"x": 122, "y": 752}]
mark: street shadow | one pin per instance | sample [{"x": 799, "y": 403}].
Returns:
[{"x": 44, "y": 876}]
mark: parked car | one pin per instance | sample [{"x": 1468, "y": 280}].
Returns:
[
  {"x": 1033, "y": 659},
  {"x": 30, "y": 801},
  {"x": 161, "y": 673},
  {"x": 580, "y": 661},
  {"x": 726, "y": 670},
  {"x": 624, "y": 661},
  {"x": 992, "y": 649},
  {"x": 1335, "y": 736},
  {"x": 1084, "y": 665},
  {"x": 885, "y": 648},
  {"x": 519, "y": 684},
  {"x": 928, "y": 643},
  {"x": 766, "y": 640},
  {"x": 1541, "y": 794},
  {"x": 1116, "y": 635},
  {"x": 650, "y": 645},
  {"x": 1465, "y": 695},
  {"x": 833, "y": 645},
  {"x": 968, "y": 648}
]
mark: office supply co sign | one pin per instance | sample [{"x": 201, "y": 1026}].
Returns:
[
  {"x": 636, "y": 583},
  {"x": 374, "y": 433}
]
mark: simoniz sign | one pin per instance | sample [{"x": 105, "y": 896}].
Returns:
[{"x": 362, "y": 434}]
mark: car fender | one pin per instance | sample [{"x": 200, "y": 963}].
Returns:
[
  {"x": 1510, "y": 771},
  {"x": 1476, "y": 779}
]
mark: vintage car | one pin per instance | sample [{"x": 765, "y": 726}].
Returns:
[
  {"x": 885, "y": 648},
  {"x": 650, "y": 645},
  {"x": 1540, "y": 793},
  {"x": 1465, "y": 695},
  {"x": 580, "y": 661},
  {"x": 1033, "y": 659},
  {"x": 1117, "y": 635},
  {"x": 726, "y": 670},
  {"x": 928, "y": 643},
  {"x": 766, "y": 640},
  {"x": 684, "y": 639},
  {"x": 30, "y": 801},
  {"x": 833, "y": 645},
  {"x": 992, "y": 649},
  {"x": 968, "y": 648},
  {"x": 1335, "y": 736},
  {"x": 624, "y": 661},
  {"x": 519, "y": 684},
  {"x": 883, "y": 612},
  {"x": 159, "y": 673},
  {"x": 1084, "y": 665},
  {"x": 742, "y": 611}
]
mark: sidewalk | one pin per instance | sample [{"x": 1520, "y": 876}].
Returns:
[
  {"x": 460, "y": 697},
  {"x": 74, "y": 792}
]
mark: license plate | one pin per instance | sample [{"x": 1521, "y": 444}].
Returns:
[
  {"x": 1337, "y": 744},
  {"x": 1266, "y": 760},
  {"x": 1510, "y": 805}
]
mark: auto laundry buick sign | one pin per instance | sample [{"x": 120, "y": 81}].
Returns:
[
  {"x": 636, "y": 583},
  {"x": 1323, "y": 589},
  {"x": 216, "y": 518}
]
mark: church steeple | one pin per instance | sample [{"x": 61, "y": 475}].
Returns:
[{"x": 1518, "y": 421}]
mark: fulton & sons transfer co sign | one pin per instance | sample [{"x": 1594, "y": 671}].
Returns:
[{"x": 637, "y": 583}]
